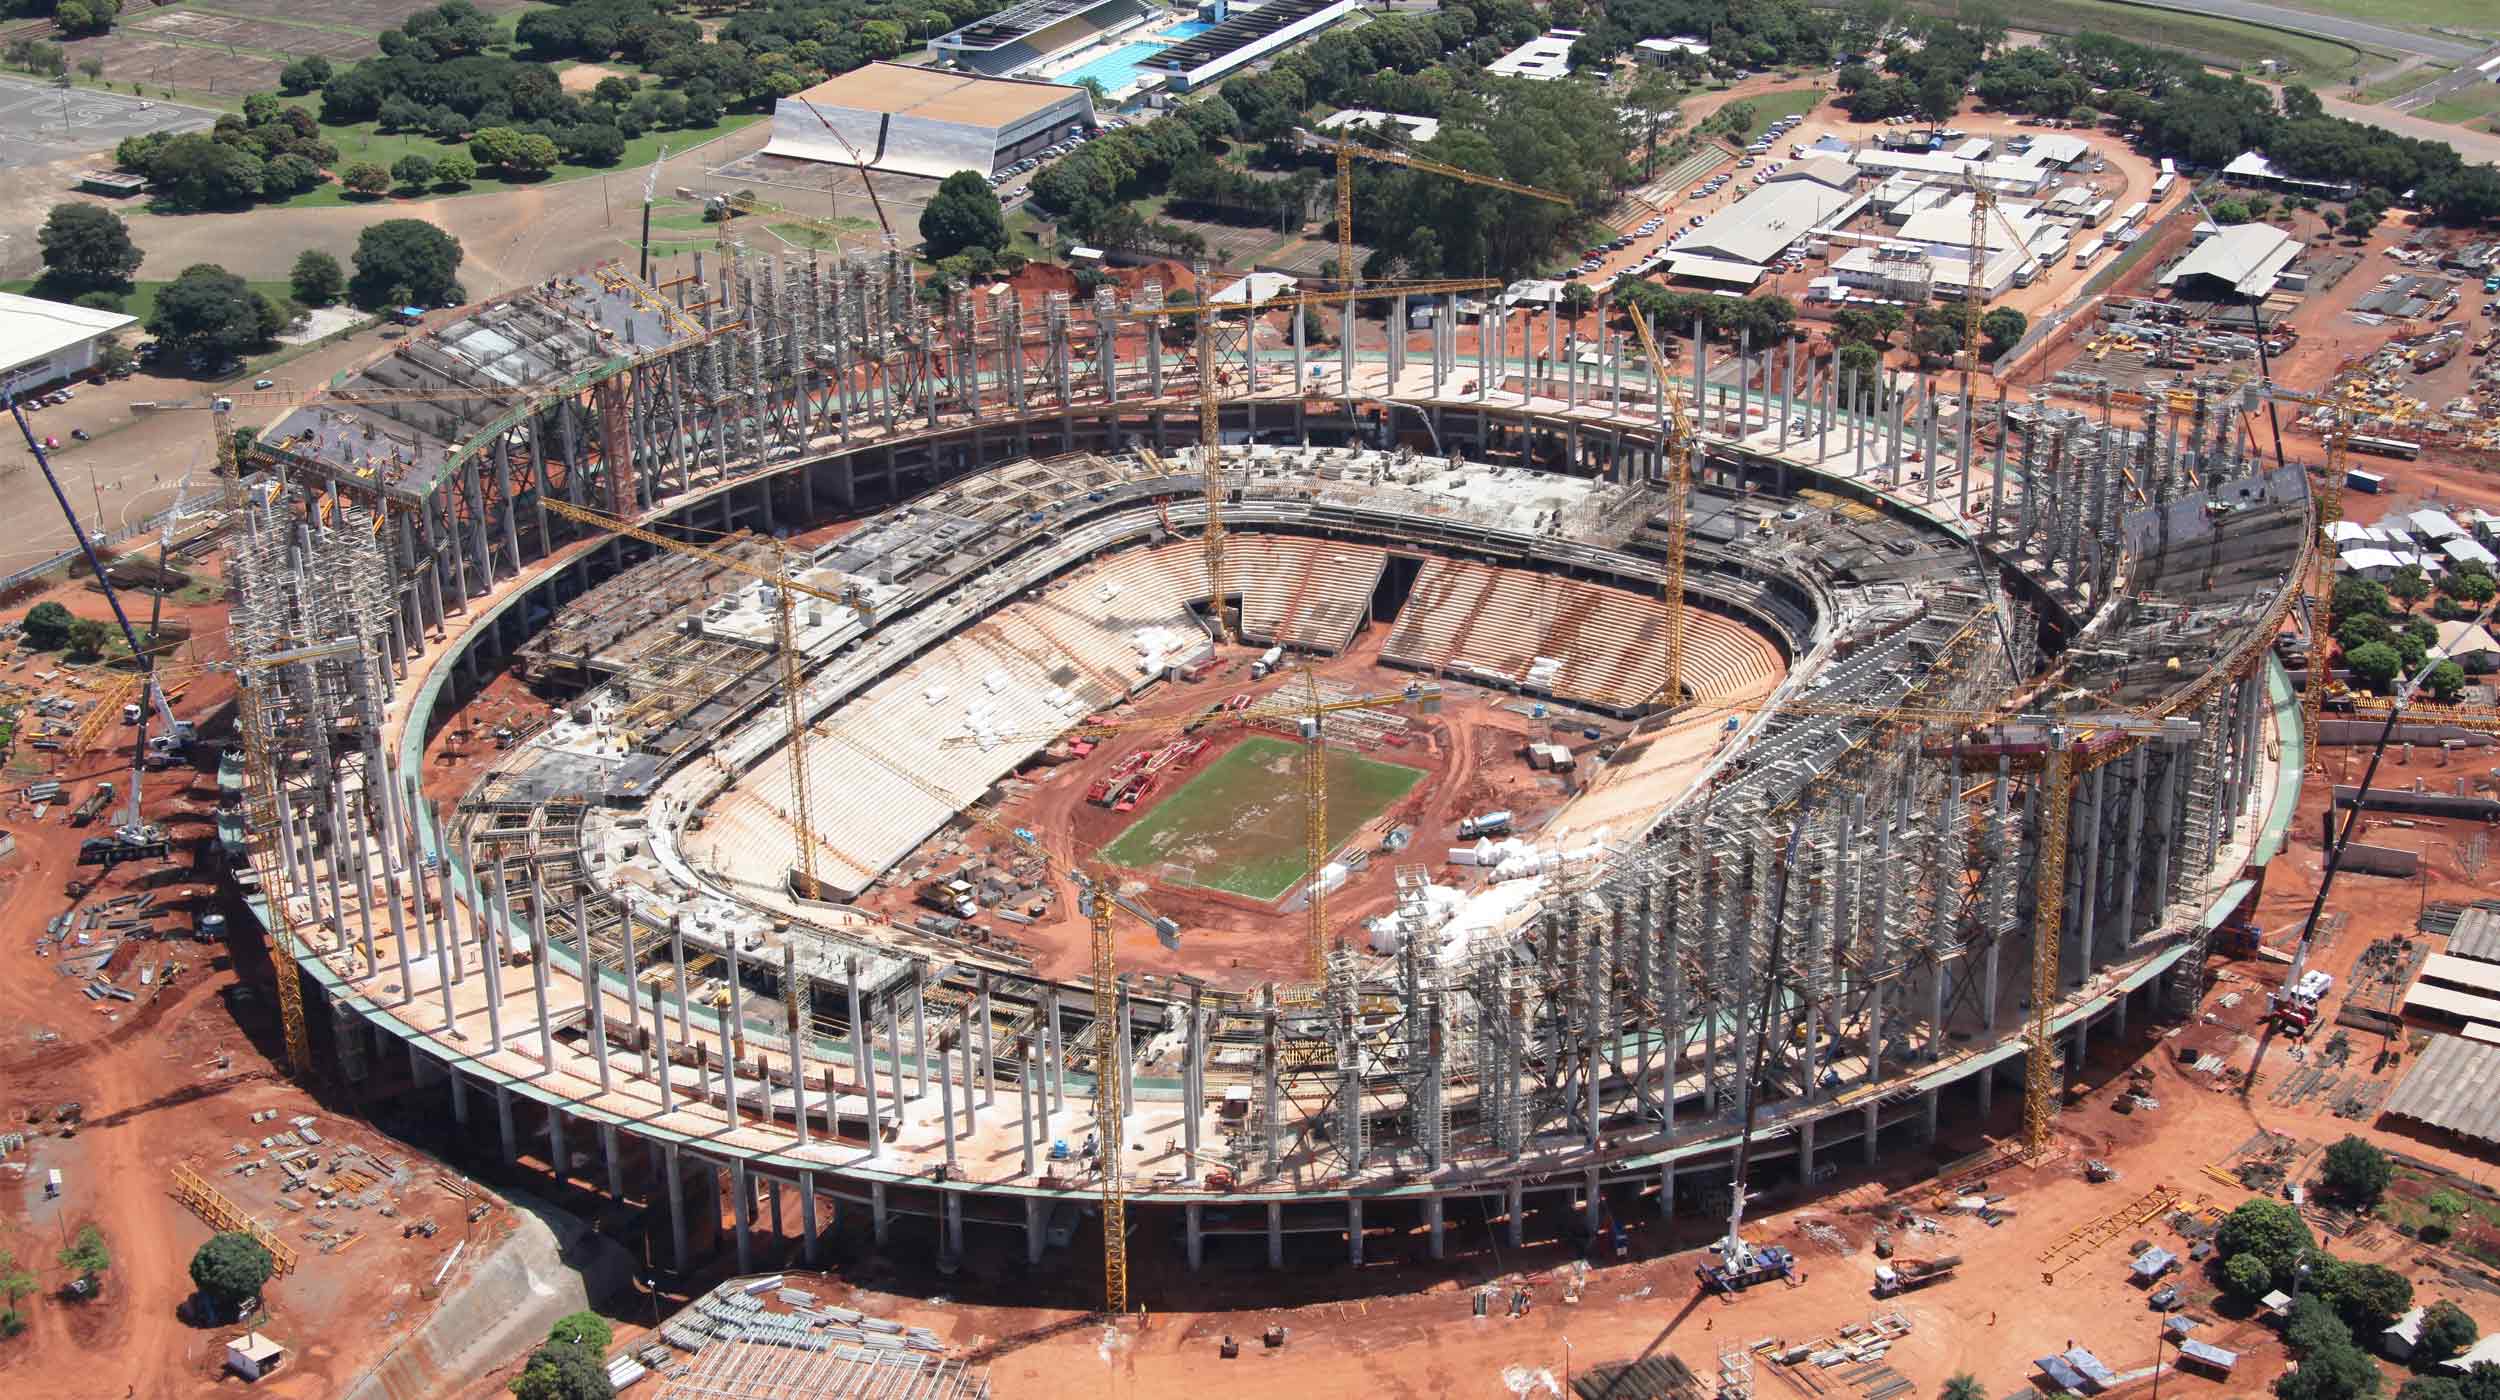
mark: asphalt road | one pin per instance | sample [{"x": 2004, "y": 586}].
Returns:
[
  {"x": 2351, "y": 31},
  {"x": 40, "y": 123},
  {"x": 2476, "y": 146},
  {"x": 2467, "y": 75}
]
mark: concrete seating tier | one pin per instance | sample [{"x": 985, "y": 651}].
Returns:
[
  {"x": 1475, "y": 621},
  {"x": 1306, "y": 593}
]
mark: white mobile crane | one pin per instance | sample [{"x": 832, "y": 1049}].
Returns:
[
  {"x": 1741, "y": 1264},
  {"x": 132, "y": 838},
  {"x": 2295, "y": 1005}
]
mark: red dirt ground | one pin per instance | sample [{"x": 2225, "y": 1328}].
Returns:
[{"x": 171, "y": 1079}]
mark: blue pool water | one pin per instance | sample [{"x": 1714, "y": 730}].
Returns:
[{"x": 1119, "y": 68}]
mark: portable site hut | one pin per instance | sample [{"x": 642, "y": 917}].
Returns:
[
  {"x": 2205, "y": 1356},
  {"x": 253, "y": 1356},
  {"x": 2151, "y": 1264}
]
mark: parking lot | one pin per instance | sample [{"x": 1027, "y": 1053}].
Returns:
[{"x": 40, "y": 124}]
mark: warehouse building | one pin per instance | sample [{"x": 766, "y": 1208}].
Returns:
[
  {"x": 925, "y": 122},
  {"x": 1021, "y": 39},
  {"x": 2244, "y": 260},
  {"x": 1761, "y": 226},
  {"x": 43, "y": 343},
  {"x": 1540, "y": 60}
]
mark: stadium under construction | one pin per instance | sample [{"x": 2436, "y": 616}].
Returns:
[{"x": 1937, "y": 660}]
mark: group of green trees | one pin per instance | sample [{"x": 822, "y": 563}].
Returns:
[
  {"x": 571, "y": 1364},
  {"x": 2382, "y": 643},
  {"x": 1761, "y": 321},
  {"x": 76, "y": 18},
  {"x": 85, "y": 1256},
  {"x": 1764, "y": 34}
]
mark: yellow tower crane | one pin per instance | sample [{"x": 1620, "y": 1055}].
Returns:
[
  {"x": 2322, "y": 599},
  {"x": 1679, "y": 508},
  {"x": 785, "y": 593},
  {"x": 1210, "y": 417},
  {"x": 1347, "y": 153},
  {"x": 2064, "y": 748},
  {"x": 1983, "y": 207}
]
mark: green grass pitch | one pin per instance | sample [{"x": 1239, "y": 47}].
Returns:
[{"x": 1238, "y": 825}]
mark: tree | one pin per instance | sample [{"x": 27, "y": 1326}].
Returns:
[
  {"x": 563, "y": 1371},
  {"x": 582, "y": 1329},
  {"x": 111, "y": 355},
  {"x": 2468, "y": 583},
  {"x": 91, "y": 67},
  {"x": 303, "y": 75},
  {"x": 1963, "y": 1386},
  {"x": 89, "y": 1257},
  {"x": 2357, "y": 1171},
  {"x": 15, "y": 1283},
  {"x": 2445, "y": 682},
  {"x": 2375, "y": 664},
  {"x": 2004, "y": 329},
  {"x": 232, "y": 1268},
  {"x": 1577, "y": 298},
  {"x": 2429, "y": 1387},
  {"x": 2359, "y": 597},
  {"x": 2247, "y": 1276},
  {"x": 414, "y": 171},
  {"x": 289, "y": 174},
  {"x": 317, "y": 279},
  {"x": 2370, "y": 1297},
  {"x": 454, "y": 170},
  {"x": 2271, "y": 1230},
  {"x": 213, "y": 314},
  {"x": 962, "y": 214},
  {"x": 87, "y": 246},
  {"x": 615, "y": 90},
  {"x": 2447, "y": 1330},
  {"x": 366, "y": 177},
  {"x": 2409, "y": 586},
  {"x": 47, "y": 625},
  {"x": 2359, "y": 220},
  {"x": 2339, "y": 1372},
  {"x": 402, "y": 261},
  {"x": 87, "y": 637}
]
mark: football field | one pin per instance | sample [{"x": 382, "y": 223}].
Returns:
[{"x": 1238, "y": 826}]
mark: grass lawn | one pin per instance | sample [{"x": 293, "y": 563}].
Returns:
[
  {"x": 1771, "y": 106},
  {"x": 2323, "y": 64},
  {"x": 2473, "y": 16},
  {"x": 140, "y": 301},
  {"x": 2464, "y": 106},
  {"x": 1238, "y": 825}
]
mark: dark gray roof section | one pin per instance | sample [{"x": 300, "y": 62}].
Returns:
[
  {"x": 2455, "y": 1084},
  {"x": 2477, "y": 935}
]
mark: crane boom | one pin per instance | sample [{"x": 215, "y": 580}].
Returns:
[
  {"x": 1347, "y": 153},
  {"x": 861, "y": 162},
  {"x": 1679, "y": 509}
]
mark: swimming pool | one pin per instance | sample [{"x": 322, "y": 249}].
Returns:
[{"x": 1120, "y": 69}]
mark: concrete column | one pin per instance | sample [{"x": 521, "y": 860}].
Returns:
[
  {"x": 1518, "y": 1212},
  {"x": 1874, "y": 1125},
  {"x": 1433, "y": 1226},
  {"x": 503, "y": 1123},
  {"x": 1592, "y": 1200},
  {"x": 616, "y": 1162},
  {"x": 675, "y": 1186},
  {"x": 1354, "y": 1230},
  {"x": 1275, "y": 1235},
  {"x": 807, "y": 1219},
  {"x": 459, "y": 1098},
  {"x": 1034, "y": 1237},
  {"x": 743, "y": 1208},
  {"x": 557, "y": 1157},
  {"x": 951, "y": 1208},
  {"x": 1194, "y": 1226},
  {"x": 862, "y": 1065},
  {"x": 1805, "y": 1151},
  {"x": 880, "y": 1220}
]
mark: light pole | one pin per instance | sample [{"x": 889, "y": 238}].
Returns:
[
  {"x": 1566, "y": 1341},
  {"x": 2161, "y": 1331}
]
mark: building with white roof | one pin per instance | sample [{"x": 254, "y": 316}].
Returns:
[
  {"x": 1416, "y": 130},
  {"x": 2433, "y": 525},
  {"x": 1823, "y": 170},
  {"x": 45, "y": 342},
  {"x": 2015, "y": 177},
  {"x": 1667, "y": 50},
  {"x": 2059, "y": 150},
  {"x": 2465, "y": 551},
  {"x": 2470, "y": 645},
  {"x": 2242, "y": 259},
  {"x": 2344, "y": 532},
  {"x": 2372, "y": 563},
  {"x": 1540, "y": 60},
  {"x": 1255, "y": 287},
  {"x": 2252, "y": 168},
  {"x": 1763, "y": 224}
]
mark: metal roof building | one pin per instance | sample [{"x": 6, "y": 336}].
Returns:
[
  {"x": 1023, "y": 37},
  {"x": 1540, "y": 60},
  {"x": 2245, "y": 258},
  {"x": 43, "y": 342},
  {"x": 2454, "y": 1084},
  {"x": 1760, "y": 226},
  {"x": 920, "y": 121}
]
